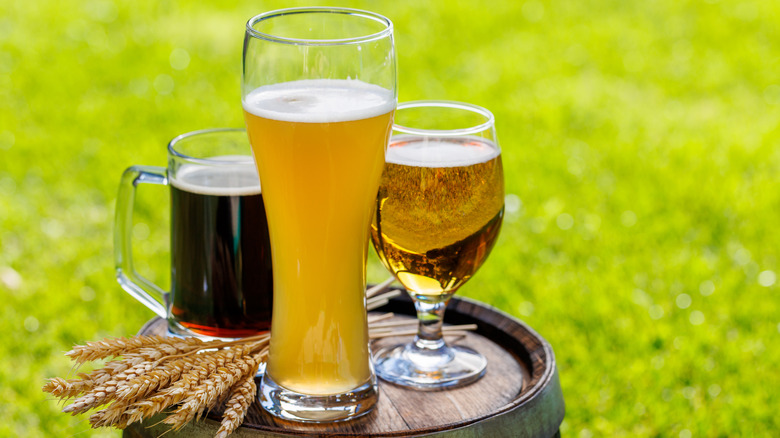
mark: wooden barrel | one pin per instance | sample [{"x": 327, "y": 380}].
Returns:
[{"x": 519, "y": 396}]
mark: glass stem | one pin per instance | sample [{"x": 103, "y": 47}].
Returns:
[{"x": 431, "y": 316}]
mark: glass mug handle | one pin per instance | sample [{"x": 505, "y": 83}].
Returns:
[{"x": 131, "y": 281}]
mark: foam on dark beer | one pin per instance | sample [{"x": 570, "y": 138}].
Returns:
[{"x": 225, "y": 180}]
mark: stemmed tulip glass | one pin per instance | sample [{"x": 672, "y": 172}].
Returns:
[{"x": 438, "y": 213}]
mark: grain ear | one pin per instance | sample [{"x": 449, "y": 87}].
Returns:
[{"x": 242, "y": 394}]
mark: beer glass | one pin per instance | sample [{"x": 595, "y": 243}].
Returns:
[
  {"x": 438, "y": 213},
  {"x": 221, "y": 280},
  {"x": 319, "y": 93}
]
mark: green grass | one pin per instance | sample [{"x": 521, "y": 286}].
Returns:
[{"x": 640, "y": 144}]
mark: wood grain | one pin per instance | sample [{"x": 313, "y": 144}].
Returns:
[{"x": 519, "y": 396}]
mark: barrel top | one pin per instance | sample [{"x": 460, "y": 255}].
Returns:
[{"x": 520, "y": 388}]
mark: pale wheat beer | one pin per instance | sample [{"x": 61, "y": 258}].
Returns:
[
  {"x": 319, "y": 145},
  {"x": 439, "y": 211}
]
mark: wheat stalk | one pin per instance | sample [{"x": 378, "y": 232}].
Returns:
[
  {"x": 144, "y": 385},
  {"x": 106, "y": 392},
  {"x": 379, "y": 288},
  {"x": 65, "y": 389},
  {"x": 115, "y": 347},
  {"x": 111, "y": 347},
  {"x": 241, "y": 396},
  {"x": 392, "y": 332},
  {"x": 206, "y": 395}
]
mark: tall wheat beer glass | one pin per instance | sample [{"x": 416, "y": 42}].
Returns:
[{"x": 319, "y": 94}]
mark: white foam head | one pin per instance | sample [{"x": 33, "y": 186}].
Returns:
[
  {"x": 319, "y": 101},
  {"x": 223, "y": 180},
  {"x": 418, "y": 151}
]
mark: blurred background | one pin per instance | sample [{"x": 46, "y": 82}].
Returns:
[{"x": 641, "y": 148}]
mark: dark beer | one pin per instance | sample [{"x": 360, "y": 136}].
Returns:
[{"x": 221, "y": 281}]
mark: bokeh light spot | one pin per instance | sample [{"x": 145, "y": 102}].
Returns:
[
  {"x": 179, "y": 59},
  {"x": 564, "y": 221},
  {"x": 576, "y": 54},
  {"x": 10, "y": 278},
  {"x": 7, "y": 140},
  {"x": 751, "y": 269},
  {"x": 714, "y": 390},
  {"x": 641, "y": 297},
  {"x": 6, "y": 27},
  {"x": 52, "y": 228},
  {"x": 31, "y": 324},
  {"x": 533, "y": 11},
  {"x": 696, "y": 317},
  {"x": 772, "y": 94},
  {"x": 139, "y": 87},
  {"x": 7, "y": 185},
  {"x": 141, "y": 231},
  {"x": 87, "y": 294},
  {"x": 706, "y": 288},
  {"x": 538, "y": 225},
  {"x": 746, "y": 11},
  {"x": 628, "y": 218},
  {"x": 164, "y": 84},
  {"x": 512, "y": 203},
  {"x": 742, "y": 256},
  {"x": 767, "y": 278},
  {"x": 576, "y": 166},
  {"x": 683, "y": 301},
  {"x": 101, "y": 10},
  {"x": 593, "y": 263},
  {"x": 526, "y": 308},
  {"x": 592, "y": 222}
]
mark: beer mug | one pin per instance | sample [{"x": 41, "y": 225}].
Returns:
[{"x": 221, "y": 280}]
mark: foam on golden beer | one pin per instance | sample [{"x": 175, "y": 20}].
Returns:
[
  {"x": 410, "y": 150},
  {"x": 319, "y": 101}
]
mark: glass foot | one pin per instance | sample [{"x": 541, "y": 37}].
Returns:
[
  {"x": 445, "y": 367},
  {"x": 290, "y": 405}
]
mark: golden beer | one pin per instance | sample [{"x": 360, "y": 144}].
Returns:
[
  {"x": 439, "y": 210},
  {"x": 319, "y": 146}
]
